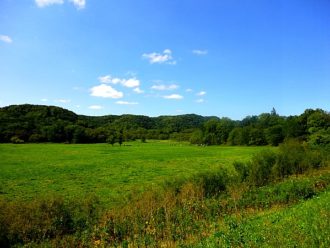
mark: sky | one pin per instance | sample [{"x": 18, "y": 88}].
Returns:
[{"x": 225, "y": 58}]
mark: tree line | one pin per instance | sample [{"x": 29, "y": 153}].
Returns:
[{"x": 39, "y": 123}]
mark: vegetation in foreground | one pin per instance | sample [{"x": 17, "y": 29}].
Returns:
[{"x": 218, "y": 208}]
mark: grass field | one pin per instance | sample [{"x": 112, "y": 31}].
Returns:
[
  {"x": 303, "y": 225},
  {"x": 111, "y": 172}
]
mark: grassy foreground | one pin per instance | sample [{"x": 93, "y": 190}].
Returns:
[
  {"x": 262, "y": 199},
  {"x": 111, "y": 173},
  {"x": 305, "y": 225}
]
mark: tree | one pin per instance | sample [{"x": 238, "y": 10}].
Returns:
[
  {"x": 120, "y": 137},
  {"x": 111, "y": 139},
  {"x": 197, "y": 137},
  {"x": 274, "y": 135}
]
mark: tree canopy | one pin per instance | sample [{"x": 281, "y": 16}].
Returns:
[{"x": 39, "y": 123}]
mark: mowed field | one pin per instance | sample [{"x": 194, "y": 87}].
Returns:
[{"x": 112, "y": 173}]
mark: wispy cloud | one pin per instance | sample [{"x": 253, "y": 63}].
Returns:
[
  {"x": 126, "y": 103},
  {"x": 105, "y": 79},
  {"x": 79, "y": 4},
  {"x": 199, "y": 52},
  {"x": 106, "y": 91},
  {"x": 173, "y": 96},
  {"x": 6, "y": 39},
  {"x": 189, "y": 90},
  {"x": 165, "y": 87},
  {"x": 95, "y": 107},
  {"x": 63, "y": 100},
  {"x": 44, "y": 100},
  {"x": 201, "y": 100},
  {"x": 201, "y": 93},
  {"x": 138, "y": 90},
  {"x": 44, "y": 3},
  {"x": 160, "y": 58},
  {"x": 130, "y": 82}
]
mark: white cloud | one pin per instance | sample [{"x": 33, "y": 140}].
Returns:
[
  {"x": 130, "y": 83},
  {"x": 160, "y": 58},
  {"x": 63, "y": 100},
  {"x": 126, "y": 103},
  {"x": 201, "y": 93},
  {"x": 200, "y": 100},
  {"x": 173, "y": 96},
  {"x": 189, "y": 90},
  {"x": 117, "y": 80},
  {"x": 44, "y": 3},
  {"x": 138, "y": 90},
  {"x": 200, "y": 52},
  {"x": 44, "y": 100},
  {"x": 165, "y": 87},
  {"x": 6, "y": 39},
  {"x": 96, "y": 107},
  {"x": 79, "y": 4},
  {"x": 105, "y": 79},
  {"x": 105, "y": 91}
]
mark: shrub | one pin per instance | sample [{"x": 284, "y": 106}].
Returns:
[
  {"x": 261, "y": 167},
  {"x": 242, "y": 170},
  {"x": 213, "y": 183},
  {"x": 16, "y": 140}
]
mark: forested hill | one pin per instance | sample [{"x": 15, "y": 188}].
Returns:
[{"x": 38, "y": 123}]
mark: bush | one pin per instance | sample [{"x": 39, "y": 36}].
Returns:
[
  {"x": 261, "y": 167},
  {"x": 26, "y": 222},
  {"x": 242, "y": 170},
  {"x": 16, "y": 140}
]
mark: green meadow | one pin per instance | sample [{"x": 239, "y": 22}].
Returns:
[
  {"x": 111, "y": 173},
  {"x": 163, "y": 194}
]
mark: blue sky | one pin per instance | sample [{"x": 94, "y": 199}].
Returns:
[{"x": 228, "y": 58}]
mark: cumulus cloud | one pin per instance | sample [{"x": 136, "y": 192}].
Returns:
[
  {"x": 6, "y": 39},
  {"x": 106, "y": 91},
  {"x": 173, "y": 96},
  {"x": 44, "y": 3},
  {"x": 130, "y": 83},
  {"x": 79, "y": 4},
  {"x": 126, "y": 103},
  {"x": 200, "y": 52},
  {"x": 201, "y": 93},
  {"x": 95, "y": 107},
  {"x": 138, "y": 90},
  {"x": 164, "y": 87},
  {"x": 160, "y": 58}
]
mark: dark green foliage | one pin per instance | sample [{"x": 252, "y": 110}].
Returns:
[
  {"x": 34, "y": 123},
  {"x": 213, "y": 183},
  {"x": 261, "y": 167},
  {"x": 242, "y": 169},
  {"x": 291, "y": 158}
]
